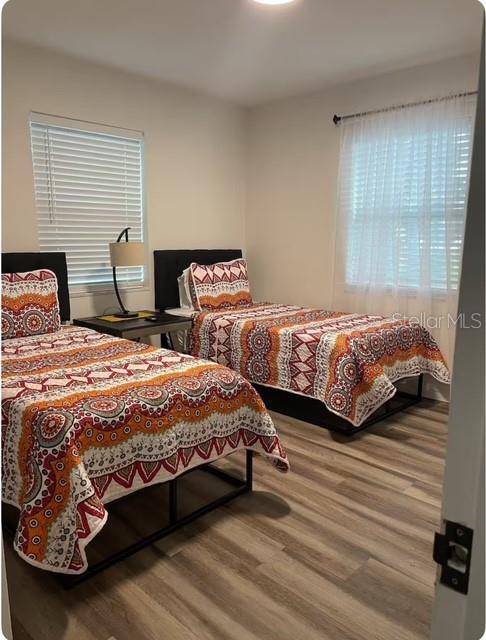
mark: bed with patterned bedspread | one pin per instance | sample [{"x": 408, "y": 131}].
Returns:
[
  {"x": 87, "y": 418},
  {"x": 348, "y": 361}
]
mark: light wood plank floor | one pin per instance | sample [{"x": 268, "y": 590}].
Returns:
[{"x": 338, "y": 549}]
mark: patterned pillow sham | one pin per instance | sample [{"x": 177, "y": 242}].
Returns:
[
  {"x": 30, "y": 305},
  {"x": 221, "y": 285}
]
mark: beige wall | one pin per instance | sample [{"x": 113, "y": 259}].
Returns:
[
  {"x": 293, "y": 156},
  {"x": 194, "y": 153}
]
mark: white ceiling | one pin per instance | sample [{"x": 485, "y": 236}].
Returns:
[{"x": 247, "y": 52}]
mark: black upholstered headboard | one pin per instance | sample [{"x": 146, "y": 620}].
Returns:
[
  {"x": 19, "y": 262},
  {"x": 170, "y": 263}
]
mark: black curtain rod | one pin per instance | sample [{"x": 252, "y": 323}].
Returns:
[{"x": 338, "y": 119}]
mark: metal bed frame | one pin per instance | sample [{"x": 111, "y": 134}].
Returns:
[
  {"x": 240, "y": 487},
  {"x": 314, "y": 411},
  {"x": 175, "y": 521}
]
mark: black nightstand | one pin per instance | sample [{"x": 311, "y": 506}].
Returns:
[{"x": 136, "y": 328}]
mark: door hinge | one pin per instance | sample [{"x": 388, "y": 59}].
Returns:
[{"x": 452, "y": 550}]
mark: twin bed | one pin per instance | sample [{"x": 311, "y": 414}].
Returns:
[
  {"x": 88, "y": 418},
  {"x": 336, "y": 370}
]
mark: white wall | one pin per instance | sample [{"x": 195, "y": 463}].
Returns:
[
  {"x": 292, "y": 158},
  {"x": 194, "y": 153}
]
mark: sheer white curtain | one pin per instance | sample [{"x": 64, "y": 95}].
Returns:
[{"x": 403, "y": 186}]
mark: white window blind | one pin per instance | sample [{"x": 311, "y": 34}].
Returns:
[
  {"x": 88, "y": 187},
  {"x": 403, "y": 191}
]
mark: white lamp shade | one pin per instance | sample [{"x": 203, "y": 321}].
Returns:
[{"x": 127, "y": 254}]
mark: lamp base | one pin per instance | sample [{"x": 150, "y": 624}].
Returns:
[{"x": 126, "y": 314}]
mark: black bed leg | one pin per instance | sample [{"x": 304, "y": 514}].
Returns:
[
  {"x": 249, "y": 470},
  {"x": 173, "y": 501},
  {"x": 419, "y": 386}
]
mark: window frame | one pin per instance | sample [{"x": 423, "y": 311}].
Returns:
[
  {"x": 102, "y": 288},
  {"x": 405, "y": 290}
]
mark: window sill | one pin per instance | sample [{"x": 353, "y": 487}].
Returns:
[{"x": 108, "y": 290}]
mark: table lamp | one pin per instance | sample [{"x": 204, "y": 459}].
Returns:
[{"x": 125, "y": 254}]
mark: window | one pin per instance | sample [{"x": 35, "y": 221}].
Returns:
[
  {"x": 88, "y": 187},
  {"x": 403, "y": 193}
]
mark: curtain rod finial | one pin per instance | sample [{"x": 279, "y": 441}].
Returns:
[{"x": 336, "y": 119}]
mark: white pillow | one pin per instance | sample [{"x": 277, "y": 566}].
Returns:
[{"x": 184, "y": 297}]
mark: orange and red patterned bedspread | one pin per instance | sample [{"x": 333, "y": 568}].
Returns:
[
  {"x": 87, "y": 418},
  {"x": 348, "y": 361}
]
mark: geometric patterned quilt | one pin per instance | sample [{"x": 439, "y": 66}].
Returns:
[
  {"x": 87, "y": 417},
  {"x": 346, "y": 360}
]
